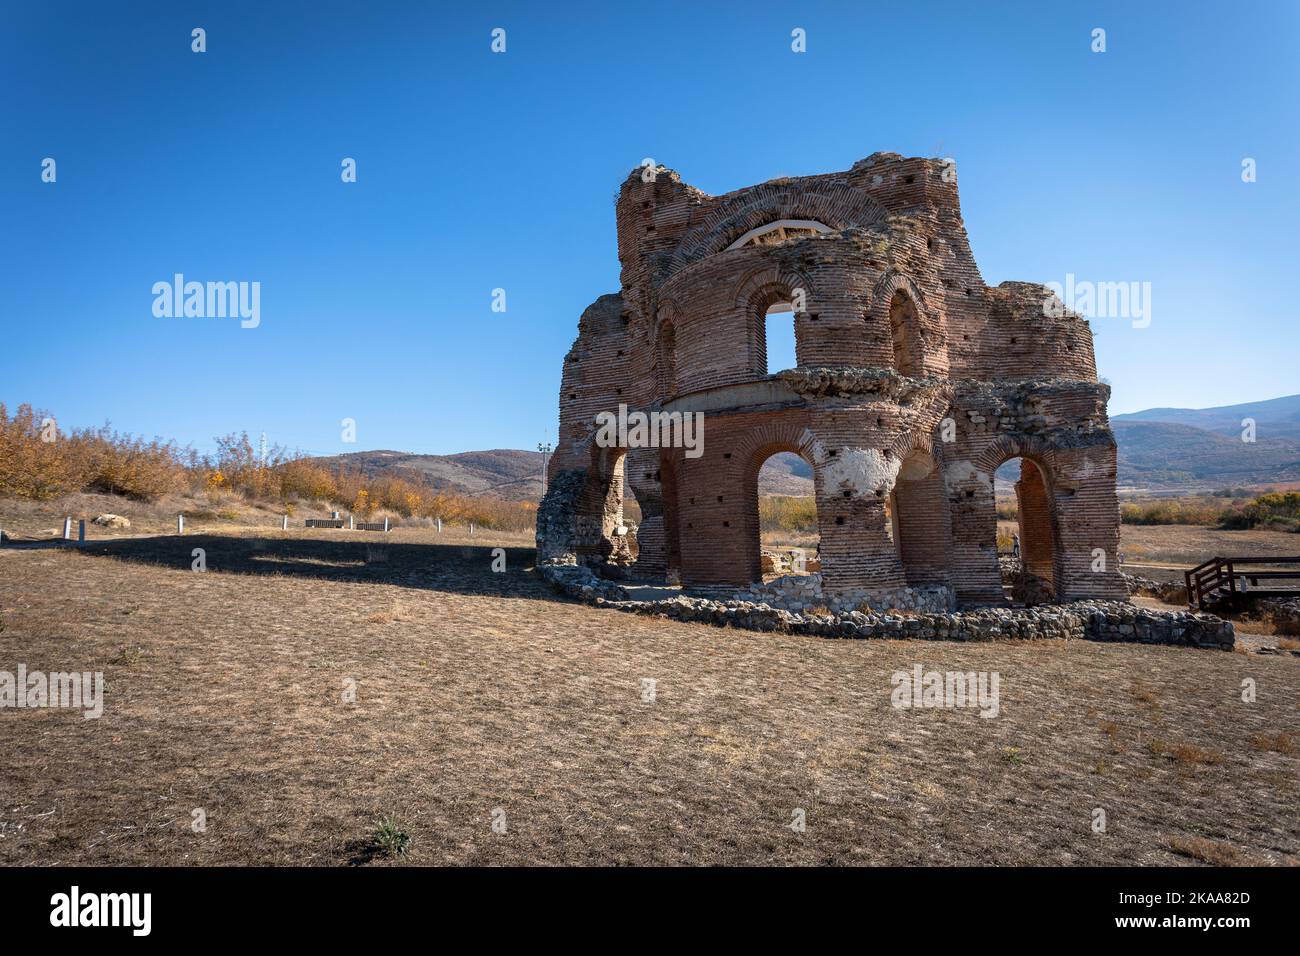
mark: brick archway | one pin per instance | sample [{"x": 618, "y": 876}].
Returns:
[{"x": 1037, "y": 519}]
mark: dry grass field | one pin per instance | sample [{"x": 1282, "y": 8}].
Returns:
[{"x": 479, "y": 692}]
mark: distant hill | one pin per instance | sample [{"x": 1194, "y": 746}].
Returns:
[
  {"x": 1275, "y": 418},
  {"x": 1159, "y": 448},
  {"x": 1203, "y": 447},
  {"x": 785, "y": 474},
  {"x": 1162, "y": 454},
  {"x": 515, "y": 475},
  {"x": 502, "y": 472}
]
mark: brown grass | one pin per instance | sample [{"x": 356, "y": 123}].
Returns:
[
  {"x": 481, "y": 692},
  {"x": 1207, "y": 851},
  {"x": 1281, "y": 743}
]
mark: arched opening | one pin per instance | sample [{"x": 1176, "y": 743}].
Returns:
[
  {"x": 785, "y": 514},
  {"x": 775, "y": 345},
  {"x": 1026, "y": 531},
  {"x": 918, "y": 520},
  {"x": 778, "y": 339},
  {"x": 904, "y": 330}
]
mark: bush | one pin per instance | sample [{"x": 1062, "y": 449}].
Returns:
[{"x": 787, "y": 513}]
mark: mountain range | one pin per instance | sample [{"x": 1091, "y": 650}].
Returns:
[{"x": 1160, "y": 449}]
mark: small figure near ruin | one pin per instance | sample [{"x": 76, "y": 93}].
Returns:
[{"x": 914, "y": 382}]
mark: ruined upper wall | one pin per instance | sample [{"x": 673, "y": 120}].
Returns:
[
  {"x": 690, "y": 314},
  {"x": 896, "y": 225}
]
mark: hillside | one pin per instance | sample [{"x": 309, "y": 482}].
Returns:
[
  {"x": 1171, "y": 448},
  {"x": 1275, "y": 418},
  {"x": 515, "y": 475},
  {"x": 1162, "y": 454},
  {"x": 511, "y": 474}
]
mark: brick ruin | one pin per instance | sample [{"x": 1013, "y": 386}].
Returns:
[{"x": 914, "y": 383}]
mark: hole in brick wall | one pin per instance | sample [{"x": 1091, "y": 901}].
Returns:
[
  {"x": 719, "y": 497},
  {"x": 726, "y": 524},
  {"x": 572, "y": 397},
  {"x": 965, "y": 337},
  {"x": 831, "y": 452},
  {"x": 620, "y": 352},
  {"x": 970, "y": 494},
  {"x": 848, "y": 494},
  {"x": 690, "y": 524},
  {"x": 645, "y": 205},
  {"x": 1013, "y": 340},
  {"x": 929, "y": 243},
  {"x": 692, "y": 501},
  {"x": 814, "y": 316},
  {"x": 649, "y": 477},
  {"x": 839, "y": 519},
  {"x": 618, "y": 391},
  {"x": 909, "y": 179},
  {"x": 656, "y": 476},
  {"x": 650, "y": 228},
  {"x": 879, "y": 493},
  {"x": 970, "y": 292},
  {"x": 726, "y": 454}
]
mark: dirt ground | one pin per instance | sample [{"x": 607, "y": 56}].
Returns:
[{"x": 480, "y": 697}]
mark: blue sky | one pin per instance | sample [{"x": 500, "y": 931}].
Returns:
[{"x": 479, "y": 170}]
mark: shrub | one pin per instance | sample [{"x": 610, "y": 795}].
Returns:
[{"x": 787, "y": 513}]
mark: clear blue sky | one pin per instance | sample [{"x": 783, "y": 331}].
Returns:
[{"x": 478, "y": 171}]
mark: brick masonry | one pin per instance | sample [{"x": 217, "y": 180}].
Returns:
[{"x": 915, "y": 381}]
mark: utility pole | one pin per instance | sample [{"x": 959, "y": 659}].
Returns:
[
  {"x": 545, "y": 449},
  {"x": 261, "y": 449}
]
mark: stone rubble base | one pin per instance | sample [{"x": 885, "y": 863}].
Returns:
[{"x": 1095, "y": 620}]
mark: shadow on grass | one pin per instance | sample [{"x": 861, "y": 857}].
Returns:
[{"x": 460, "y": 569}]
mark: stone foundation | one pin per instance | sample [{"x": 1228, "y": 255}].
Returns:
[
  {"x": 802, "y": 592},
  {"x": 1095, "y": 620}
]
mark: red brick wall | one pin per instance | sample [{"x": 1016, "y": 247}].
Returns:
[{"x": 689, "y": 321}]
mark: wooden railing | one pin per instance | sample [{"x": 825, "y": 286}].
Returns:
[{"x": 1217, "y": 580}]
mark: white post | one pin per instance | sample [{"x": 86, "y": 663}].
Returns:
[
  {"x": 385, "y": 523},
  {"x": 67, "y": 528},
  {"x": 439, "y": 526},
  {"x": 180, "y": 524},
  {"x": 284, "y": 523},
  {"x": 352, "y": 524},
  {"x": 2, "y": 536},
  {"x": 81, "y": 531},
  {"x": 471, "y": 529}
]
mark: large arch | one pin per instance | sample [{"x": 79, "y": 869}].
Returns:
[
  {"x": 754, "y": 459},
  {"x": 773, "y": 202},
  {"x": 920, "y": 519},
  {"x": 972, "y": 496},
  {"x": 779, "y": 231}
]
